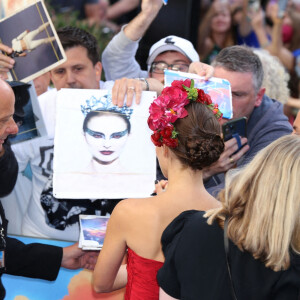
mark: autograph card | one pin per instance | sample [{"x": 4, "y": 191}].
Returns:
[
  {"x": 92, "y": 231},
  {"x": 218, "y": 89}
]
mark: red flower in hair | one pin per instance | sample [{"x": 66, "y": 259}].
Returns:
[
  {"x": 170, "y": 106},
  {"x": 156, "y": 139}
]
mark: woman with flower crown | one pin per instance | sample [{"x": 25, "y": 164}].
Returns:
[{"x": 187, "y": 136}]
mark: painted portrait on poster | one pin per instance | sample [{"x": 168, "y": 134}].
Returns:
[{"x": 102, "y": 150}]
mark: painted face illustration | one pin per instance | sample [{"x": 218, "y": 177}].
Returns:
[{"x": 106, "y": 135}]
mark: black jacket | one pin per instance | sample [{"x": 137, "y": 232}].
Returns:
[{"x": 32, "y": 260}]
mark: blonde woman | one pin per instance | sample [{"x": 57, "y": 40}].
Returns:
[{"x": 261, "y": 204}]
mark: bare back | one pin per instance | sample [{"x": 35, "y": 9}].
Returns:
[{"x": 147, "y": 218}]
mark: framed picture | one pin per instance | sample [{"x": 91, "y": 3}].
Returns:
[
  {"x": 36, "y": 46},
  {"x": 27, "y": 114}
]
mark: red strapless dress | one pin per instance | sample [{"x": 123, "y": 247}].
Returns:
[{"x": 141, "y": 277}]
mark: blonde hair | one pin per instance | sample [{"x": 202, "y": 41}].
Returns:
[
  {"x": 262, "y": 202},
  {"x": 276, "y": 78}
]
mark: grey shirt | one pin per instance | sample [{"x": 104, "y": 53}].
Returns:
[
  {"x": 118, "y": 58},
  {"x": 266, "y": 124}
]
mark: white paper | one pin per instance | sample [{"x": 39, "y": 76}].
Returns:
[{"x": 78, "y": 171}]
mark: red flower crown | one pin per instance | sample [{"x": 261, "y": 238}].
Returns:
[{"x": 169, "y": 107}]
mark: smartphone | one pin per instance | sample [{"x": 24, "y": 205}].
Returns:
[
  {"x": 281, "y": 8},
  {"x": 237, "y": 126}
]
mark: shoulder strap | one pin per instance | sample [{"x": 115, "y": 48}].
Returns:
[{"x": 226, "y": 245}]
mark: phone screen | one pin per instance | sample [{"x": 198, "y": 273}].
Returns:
[{"x": 237, "y": 126}]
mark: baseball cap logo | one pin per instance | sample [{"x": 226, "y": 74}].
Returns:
[{"x": 169, "y": 41}]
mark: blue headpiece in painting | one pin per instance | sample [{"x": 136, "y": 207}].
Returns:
[{"x": 104, "y": 103}]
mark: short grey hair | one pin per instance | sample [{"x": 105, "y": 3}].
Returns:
[{"x": 241, "y": 59}]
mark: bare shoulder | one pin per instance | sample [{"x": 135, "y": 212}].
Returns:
[{"x": 132, "y": 206}]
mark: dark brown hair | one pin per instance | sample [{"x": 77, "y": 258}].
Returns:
[
  {"x": 73, "y": 37},
  {"x": 200, "y": 143}
]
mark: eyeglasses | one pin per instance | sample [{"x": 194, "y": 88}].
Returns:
[{"x": 159, "y": 67}]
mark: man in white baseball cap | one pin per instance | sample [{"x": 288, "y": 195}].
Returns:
[
  {"x": 172, "y": 43},
  {"x": 171, "y": 52}
]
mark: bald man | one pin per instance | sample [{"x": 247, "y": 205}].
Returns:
[
  {"x": 32, "y": 260},
  {"x": 8, "y": 163}
]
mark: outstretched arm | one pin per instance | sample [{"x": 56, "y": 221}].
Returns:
[
  {"x": 138, "y": 26},
  {"x": 118, "y": 57},
  {"x": 121, "y": 7},
  {"x": 76, "y": 258},
  {"x": 276, "y": 47}
]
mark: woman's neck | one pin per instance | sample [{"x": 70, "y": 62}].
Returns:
[{"x": 184, "y": 180}]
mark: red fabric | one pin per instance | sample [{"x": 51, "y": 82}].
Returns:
[{"x": 141, "y": 278}]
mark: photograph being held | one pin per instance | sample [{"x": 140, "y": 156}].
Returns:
[{"x": 260, "y": 216}]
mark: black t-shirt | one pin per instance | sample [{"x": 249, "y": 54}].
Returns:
[
  {"x": 8, "y": 170},
  {"x": 195, "y": 266}
]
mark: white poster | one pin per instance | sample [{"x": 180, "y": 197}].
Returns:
[{"x": 102, "y": 151}]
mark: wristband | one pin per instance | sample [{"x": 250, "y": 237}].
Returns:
[{"x": 146, "y": 82}]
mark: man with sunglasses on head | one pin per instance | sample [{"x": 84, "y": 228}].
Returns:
[{"x": 171, "y": 52}]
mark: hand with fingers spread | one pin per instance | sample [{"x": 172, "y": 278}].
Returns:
[
  {"x": 126, "y": 87},
  {"x": 228, "y": 158},
  {"x": 133, "y": 88},
  {"x": 201, "y": 69}
]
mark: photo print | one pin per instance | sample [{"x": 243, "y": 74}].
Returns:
[
  {"x": 102, "y": 151},
  {"x": 36, "y": 46},
  {"x": 27, "y": 114},
  {"x": 218, "y": 89},
  {"x": 92, "y": 231}
]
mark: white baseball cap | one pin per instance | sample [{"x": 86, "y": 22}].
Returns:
[{"x": 172, "y": 43}]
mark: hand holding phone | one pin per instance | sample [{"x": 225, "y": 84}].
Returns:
[{"x": 235, "y": 129}]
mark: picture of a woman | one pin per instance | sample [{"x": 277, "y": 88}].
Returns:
[
  {"x": 101, "y": 149},
  {"x": 106, "y": 130}
]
